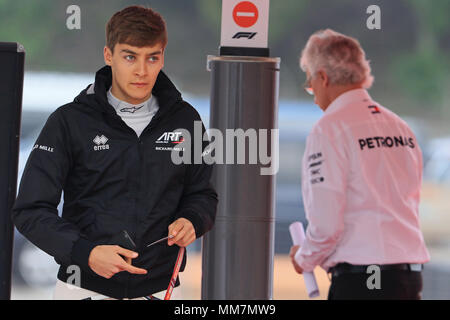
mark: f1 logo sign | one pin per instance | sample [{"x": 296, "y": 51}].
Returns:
[
  {"x": 245, "y": 14},
  {"x": 248, "y": 35},
  {"x": 245, "y": 23}
]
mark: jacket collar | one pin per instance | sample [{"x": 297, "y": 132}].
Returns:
[{"x": 96, "y": 94}]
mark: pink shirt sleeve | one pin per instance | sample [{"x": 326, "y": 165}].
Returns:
[{"x": 324, "y": 179}]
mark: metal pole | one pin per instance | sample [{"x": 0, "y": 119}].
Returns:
[
  {"x": 237, "y": 254},
  {"x": 12, "y": 58}
]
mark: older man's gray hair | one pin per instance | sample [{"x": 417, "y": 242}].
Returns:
[{"x": 341, "y": 57}]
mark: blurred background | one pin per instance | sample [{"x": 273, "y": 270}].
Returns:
[{"x": 410, "y": 59}]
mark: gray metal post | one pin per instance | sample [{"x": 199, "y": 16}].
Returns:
[
  {"x": 12, "y": 58},
  {"x": 237, "y": 254}
]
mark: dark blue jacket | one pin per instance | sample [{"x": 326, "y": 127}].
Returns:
[{"x": 113, "y": 180}]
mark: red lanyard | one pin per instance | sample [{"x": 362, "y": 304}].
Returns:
[{"x": 176, "y": 269}]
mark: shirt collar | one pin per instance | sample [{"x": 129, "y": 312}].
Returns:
[
  {"x": 348, "y": 97},
  {"x": 122, "y": 107}
]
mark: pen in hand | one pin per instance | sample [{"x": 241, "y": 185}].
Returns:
[{"x": 160, "y": 240}]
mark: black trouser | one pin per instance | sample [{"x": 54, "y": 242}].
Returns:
[{"x": 395, "y": 284}]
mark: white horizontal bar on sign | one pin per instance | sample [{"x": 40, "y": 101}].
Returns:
[{"x": 245, "y": 14}]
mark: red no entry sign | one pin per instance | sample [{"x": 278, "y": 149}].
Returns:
[{"x": 245, "y": 14}]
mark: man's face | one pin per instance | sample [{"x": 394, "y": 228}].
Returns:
[
  {"x": 134, "y": 70},
  {"x": 319, "y": 84}
]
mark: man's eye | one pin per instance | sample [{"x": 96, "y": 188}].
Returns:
[
  {"x": 129, "y": 58},
  {"x": 153, "y": 59}
]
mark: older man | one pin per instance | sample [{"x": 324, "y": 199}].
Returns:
[{"x": 361, "y": 179}]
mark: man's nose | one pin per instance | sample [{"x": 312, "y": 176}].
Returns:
[{"x": 141, "y": 69}]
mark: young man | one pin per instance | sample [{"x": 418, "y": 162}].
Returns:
[
  {"x": 361, "y": 180},
  {"x": 110, "y": 152}
]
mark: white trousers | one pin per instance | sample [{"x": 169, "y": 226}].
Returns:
[{"x": 65, "y": 291}]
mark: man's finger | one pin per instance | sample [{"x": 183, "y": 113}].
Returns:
[
  {"x": 188, "y": 238},
  {"x": 293, "y": 251},
  {"x": 180, "y": 235},
  {"x": 175, "y": 227},
  {"x": 126, "y": 253},
  {"x": 131, "y": 269},
  {"x": 174, "y": 230}
]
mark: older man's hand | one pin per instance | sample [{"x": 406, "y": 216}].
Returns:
[
  {"x": 183, "y": 233},
  {"x": 292, "y": 253}
]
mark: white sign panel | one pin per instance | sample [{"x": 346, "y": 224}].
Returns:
[{"x": 245, "y": 23}]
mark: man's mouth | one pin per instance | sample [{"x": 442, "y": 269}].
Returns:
[{"x": 139, "y": 84}]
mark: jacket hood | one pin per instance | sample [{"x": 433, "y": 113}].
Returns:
[{"x": 95, "y": 94}]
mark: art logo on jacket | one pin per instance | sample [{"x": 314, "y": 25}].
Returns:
[
  {"x": 100, "y": 142},
  {"x": 170, "y": 137}
]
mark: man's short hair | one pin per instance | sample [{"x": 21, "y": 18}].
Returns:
[
  {"x": 136, "y": 26},
  {"x": 341, "y": 57}
]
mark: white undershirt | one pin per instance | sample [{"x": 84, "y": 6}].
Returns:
[
  {"x": 136, "y": 116},
  {"x": 65, "y": 291}
]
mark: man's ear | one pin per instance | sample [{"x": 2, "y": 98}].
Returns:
[
  {"x": 324, "y": 78},
  {"x": 107, "y": 55}
]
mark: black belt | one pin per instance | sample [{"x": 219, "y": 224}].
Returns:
[
  {"x": 102, "y": 297},
  {"x": 343, "y": 268}
]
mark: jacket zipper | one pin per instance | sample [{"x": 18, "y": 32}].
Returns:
[
  {"x": 137, "y": 199},
  {"x": 140, "y": 143}
]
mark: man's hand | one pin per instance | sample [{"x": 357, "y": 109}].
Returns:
[
  {"x": 183, "y": 233},
  {"x": 106, "y": 261},
  {"x": 292, "y": 253}
]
